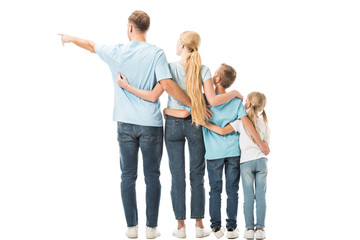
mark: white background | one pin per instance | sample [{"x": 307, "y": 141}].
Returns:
[{"x": 59, "y": 172}]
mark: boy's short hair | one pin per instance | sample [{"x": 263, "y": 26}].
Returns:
[
  {"x": 140, "y": 19},
  {"x": 227, "y": 74}
]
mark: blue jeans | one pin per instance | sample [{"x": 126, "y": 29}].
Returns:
[
  {"x": 150, "y": 141},
  {"x": 176, "y": 131},
  {"x": 232, "y": 176},
  {"x": 253, "y": 177}
]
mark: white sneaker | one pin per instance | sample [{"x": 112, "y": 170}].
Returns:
[
  {"x": 180, "y": 233},
  {"x": 152, "y": 233},
  {"x": 219, "y": 233},
  {"x": 232, "y": 234},
  {"x": 249, "y": 234},
  {"x": 201, "y": 232},
  {"x": 260, "y": 234},
  {"x": 132, "y": 232}
]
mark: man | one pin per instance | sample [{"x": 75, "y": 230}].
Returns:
[{"x": 139, "y": 121}]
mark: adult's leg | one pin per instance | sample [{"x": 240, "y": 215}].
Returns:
[
  {"x": 215, "y": 169},
  {"x": 151, "y": 145},
  {"x": 129, "y": 147},
  {"x": 197, "y": 169},
  {"x": 175, "y": 142},
  {"x": 260, "y": 191},
  {"x": 247, "y": 170},
  {"x": 232, "y": 175}
]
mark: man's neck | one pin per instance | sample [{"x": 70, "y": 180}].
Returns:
[
  {"x": 138, "y": 38},
  {"x": 219, "y": 89}
]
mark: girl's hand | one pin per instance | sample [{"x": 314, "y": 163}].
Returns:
[
  {"x": 122, "y": 81},
  {"x": 265, "y": 148},
  {"x": 238, "y": 95}
]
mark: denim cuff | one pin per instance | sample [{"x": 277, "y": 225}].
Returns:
[{"x": 192, "y": 217}]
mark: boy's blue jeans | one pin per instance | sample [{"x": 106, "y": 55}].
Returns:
[
  {"x": 176, "y": 131},
  {"x": 232, "y": 176},
  {"x": 253, "y": 177},
  {"x": 150, "y": 141}
]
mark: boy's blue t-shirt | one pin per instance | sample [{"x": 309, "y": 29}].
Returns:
[
  {"x": 219, "y": 146},
  {"x": 143, "y": 65}
]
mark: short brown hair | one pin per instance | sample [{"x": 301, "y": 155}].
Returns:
[
  {"x": 140, "y": 19},
  {"x": 227, "y": 74}
]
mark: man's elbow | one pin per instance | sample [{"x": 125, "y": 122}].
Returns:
[{"x": 153, "y": 99}]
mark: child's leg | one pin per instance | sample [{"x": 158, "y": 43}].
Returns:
[
  {"x": 215, "y": 169},
  {"x": 260, "y": 191},
  {"x": 247, "y": 170},
  {"x": 232, "y": 174}
]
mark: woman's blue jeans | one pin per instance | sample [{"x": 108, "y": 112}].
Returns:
[
  {"x": 253, "y": 177},
  {"x": 177, "y": 131}
]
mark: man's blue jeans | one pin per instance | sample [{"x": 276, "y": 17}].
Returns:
[
  {"x": 232, "y": 176},
  {"x": 253, "y": 177},
  {"x": 150, "y": 141},
  {"x": 176, "y": 131}
]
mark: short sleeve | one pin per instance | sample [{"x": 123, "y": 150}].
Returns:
[
  {"x": 205, "y": 73},
  {"x": 241, "y": 111},
  {"x": 188, "y": 109},
  {"x": 236, "y": 125},
  {"x": 106, "y": 52},
  {"x": 162, "y": 70}
]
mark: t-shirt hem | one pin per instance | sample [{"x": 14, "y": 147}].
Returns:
[
  {"x": 138, "y": 123},
  {"x": 215, "y": 158}
]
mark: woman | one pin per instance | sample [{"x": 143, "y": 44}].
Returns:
[{"x": 192, "y": 77}]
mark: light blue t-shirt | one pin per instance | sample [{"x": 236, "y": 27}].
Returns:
[
  {"x": 178, "y": 75},
  {"x": 223, "y": 146},
  {"x": 143, "y": 65}
]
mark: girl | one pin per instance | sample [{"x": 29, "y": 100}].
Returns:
[
  {"x": 253, "y": 163},
  {"x": 192, "y": 77}
]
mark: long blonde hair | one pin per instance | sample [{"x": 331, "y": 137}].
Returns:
[
  {"x": 192, "y": 41},
  {"x": 258, "y": 102}
]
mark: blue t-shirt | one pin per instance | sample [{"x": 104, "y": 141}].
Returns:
[
  {"x": 178, "y": 73},
  {"x": 223, "y": 146},
  {"x": 143, "y": 65}
]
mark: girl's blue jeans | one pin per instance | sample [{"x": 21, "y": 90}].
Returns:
[{"x": 253, "y": 177}]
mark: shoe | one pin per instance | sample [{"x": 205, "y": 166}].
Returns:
[
  {"x": 179, "y": 233},
  {"x": 218, "y": 232},
  {"x": 232, "y": 233},
  {"x": 201, "y": 232},
  {"x": 132, "y": 232},
  {"x": 260, "y": 234},
  {"x": 152, "y": 233},
  {"x": 249, "y": 234}
]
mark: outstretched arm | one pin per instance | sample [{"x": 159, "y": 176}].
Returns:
[
  {"x": 175, "y": 91},
  {"x": 264, "y": 147},
  {"x": 219, "y": 130},
  {"x": 214, "y": 99},
  {"x": 151, "y": 96},
  {"x": 85, "y": 44}
]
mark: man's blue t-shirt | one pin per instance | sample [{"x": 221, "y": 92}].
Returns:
[
  {"x": 143, "y": 65},
  {"x": 219, "y": 146}
]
